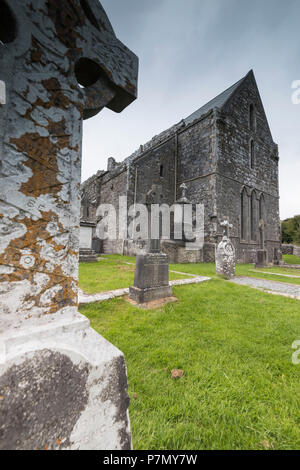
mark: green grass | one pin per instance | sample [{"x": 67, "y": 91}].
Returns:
[
  {"x": 240, "y": 389},
  {"x": 112, "y": 272},
  {"x": 291, "y": 259},
  {"x": 109, "y": 273}
]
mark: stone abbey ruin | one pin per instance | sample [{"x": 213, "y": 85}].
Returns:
[{"x": 225, "y": 154}]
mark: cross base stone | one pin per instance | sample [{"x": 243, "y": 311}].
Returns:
[
  {"x": 62, "y": 387},
  {"x": 142, "y": 296},
  {"x": 87, "y": 255},
  {"x": 261, "y": 259}
]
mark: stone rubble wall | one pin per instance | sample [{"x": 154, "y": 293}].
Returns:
[{"x": 288, "y": 249}]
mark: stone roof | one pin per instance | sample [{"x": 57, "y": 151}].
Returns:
[{"x": 217, "y": 102}]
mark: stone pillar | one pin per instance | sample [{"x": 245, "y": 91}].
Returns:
[
  {"x": 151, "y": 279},
  {"x": 61, "y": 384},
  {"x": 225, "y": 254},
  {"x": 261, "y": 254}
]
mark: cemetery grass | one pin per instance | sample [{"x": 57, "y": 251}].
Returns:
[
  {"x": 112, "y": 272},
  {"x": 291, "y": 259},
  {"x": 239, "y": 389},
  {"x": 109, "y": 273}
]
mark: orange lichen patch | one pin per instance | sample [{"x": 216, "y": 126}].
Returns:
[
  {"x": 37, "y": 147},
  {"x": 36, "y": 233},
  {"x": 53, "y": 295},
  {"x": 36, "y": 53},
  {"x": 66, "y": 17},
  {"x": 56, "y": 95},
  {"x": 43, "y": 181},
  {"x": 39, "y": 248},
  {"x": 28, "y": 252},
  {"x": 34, "y": 261},
  {"x": 57, "y": 128},
  {"x": 43, "y": 153},
  {"x": 58, "y": 293}
]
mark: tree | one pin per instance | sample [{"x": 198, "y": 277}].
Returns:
[{"x": 291, "y": 230}]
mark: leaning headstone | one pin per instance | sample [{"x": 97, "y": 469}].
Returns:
[
  {"x": 261, "y": 254},
  {"x": 151, "y": 279},
  {"x": 225, "y": 254},
  {"x": 62, "y": 386}
]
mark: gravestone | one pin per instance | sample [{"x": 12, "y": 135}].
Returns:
[
  {"x": 62, "y": 386},
  {"x": 86, "y": 233},
  {"x": 225, "y": 253},
  {"x": 261, "y": 254},
  {"x": 151, "y": 279}
]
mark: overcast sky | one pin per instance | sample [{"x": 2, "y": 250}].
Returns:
[{"x": 191, "y": 50}]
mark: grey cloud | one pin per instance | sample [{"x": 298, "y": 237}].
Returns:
[{"x": 189, "y": 52}]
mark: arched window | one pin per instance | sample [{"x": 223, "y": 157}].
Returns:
[
  {"x": 252, "y": 117},
  {"x": 244, "y": 214},
  {"x": 161, "y": 170},
  {"x": 254, "y": 216},
  {"x": 252, "y": 153}
]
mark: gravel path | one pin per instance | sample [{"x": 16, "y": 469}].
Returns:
[
  {"x": 272, "y": 287},
  {"x": 276, "y": 274}
]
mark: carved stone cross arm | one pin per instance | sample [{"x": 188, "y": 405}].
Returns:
[{"x": 226, "y": 226}]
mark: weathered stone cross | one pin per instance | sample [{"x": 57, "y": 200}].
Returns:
[
  {"x": 154, "y": 196},
  {"x": 262, "y": 233},
  {"x": 183, "y": 198},
  {"x": 226, "y": 226},
  {"x": 60, "y": 63}
]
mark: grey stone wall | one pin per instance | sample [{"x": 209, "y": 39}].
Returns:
[
  {"x": 290, "y": 250},
  {"x": 90, "y": 191},
  {"x": 287, "y": 249},
  {"x": 196, "y": 149},
  {"x": 157, "y": 167},
  {"x": 234, "y": 171},
  {"x": 113, "y": 185}
]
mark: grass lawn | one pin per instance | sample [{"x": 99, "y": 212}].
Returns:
[
  {"x": 239, "y": 390},
  {"x": 113, "y": 272},
  {"x": 291, "y": 259},
  {"x": 109, "y": 273}
]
